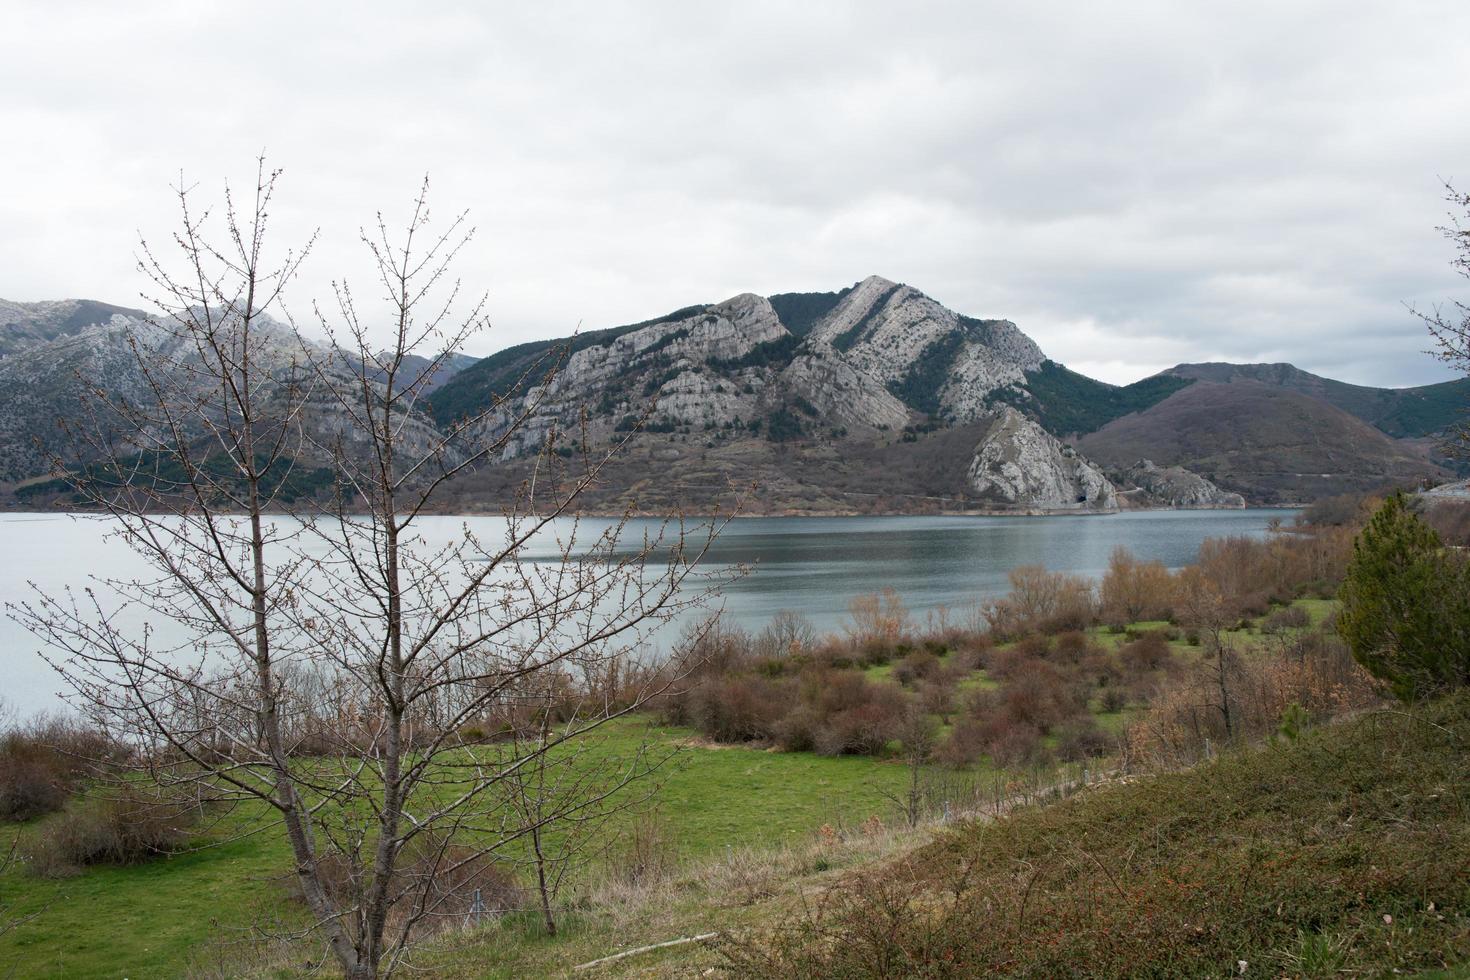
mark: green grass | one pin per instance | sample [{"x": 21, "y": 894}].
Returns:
[
  {"x": 147, "y": 919},
  {"x": 142, "y": 920}
]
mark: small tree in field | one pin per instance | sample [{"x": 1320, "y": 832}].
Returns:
[
  {"x": 335, "y": 659},
  {"x": 1406, "y": 605}
]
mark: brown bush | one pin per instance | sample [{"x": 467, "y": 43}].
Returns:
[
  {"x": 42, "y": 765},
  {"x": 919, "y": 665},
  {"x": 1345, "y": 509},
  {"x": 1133, "y": 590},
  {"x": 1073, "y": 647},
  {"x": 965, "y": 745},
  {"x": 1041, "y": 601},
  {"x": 126, "y": 826},
  {"x": 1321, "y": 679},
  {"x": 1018, "y": 658},
  {"x": 879, "y": 622},
  {"x": 937, "y": 695},
  {"x": 841, "y": 712},
  {"x": 1016, "y": 747},
  {"x": 743, "y": 708},
  {"x": 1041, "y": 699},
  {"x": 971, "y": 650},
  {"x": 1081, "y": 739},
  {"x": 1150, "y": 652}
]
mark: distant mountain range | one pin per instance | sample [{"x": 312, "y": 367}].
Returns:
[{"x": 873, "y": 398}]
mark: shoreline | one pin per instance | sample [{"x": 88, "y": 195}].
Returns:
[{"x": 607, "y": 514}]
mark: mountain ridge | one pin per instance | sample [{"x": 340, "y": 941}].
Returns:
[{"x": 803, "y": 389}]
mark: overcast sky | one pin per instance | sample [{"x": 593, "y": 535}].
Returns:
[{"x": 1135, "y": 185}]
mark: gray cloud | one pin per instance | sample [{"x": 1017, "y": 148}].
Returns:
[{"x": 1135, "y": 185}]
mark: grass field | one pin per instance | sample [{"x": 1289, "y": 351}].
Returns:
[
  {"x": 144, "y": 921},
  {"x": 714, "y": 802}
]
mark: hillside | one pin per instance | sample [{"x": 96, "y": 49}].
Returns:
[
  {"x": 1399, "y": 412},
  {"x": 1331, "y": 855},
  {"x": 1070, "y": 404},
  {"x": 1267, "y": 442}
]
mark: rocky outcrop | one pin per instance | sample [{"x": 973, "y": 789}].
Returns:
[
  {"x": 1021, "y": 465},
  {"x": 944, "y": 363},
  {"x": 841, "y": 392},
  {"x": 1175, "y": 486}
]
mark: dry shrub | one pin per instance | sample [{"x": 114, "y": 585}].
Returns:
[
  {"x": 879, "y": 623},
  {"x": 1148, "y": 653},
  {"x": 788, "y": 634},
  {"x": 647, "y": 853},
  {"x": 1344, "y": 509},
  {"x": 42, "y": 764},
  {"x": 1081, "y": 739},
  {"x": 965, "y": 745},
  {"x": 743, "y": 708},
  {"x": 841, "y": 712},
  {"x": 971, "y": 650},
  {"x": 937, "y": 695},
  {"x": 862, "y": 730},
  {"x": 917, "y": 666},
  {"x": 1009, "y": 743},
  {"x": 1018, "y": 659},
  {"x": 709, "y": 652},
  {"x": 1250, "y": 575},
  {"x": 1321, "y": 680},
  {"x": 1042, "y": 698},
  {"x": 1073, "y": 647},
  {"x": 126, "y": 826},
  {"x": 834, "y": 652},
  {"x": 1133, "y": 590},
  {"x": 1008, "y": 725},
  {"x": 1041, "y": 601},
  {"x": 1016, "y": 747}
]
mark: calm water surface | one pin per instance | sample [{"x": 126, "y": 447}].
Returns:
[{"x": 812, "y": 565}]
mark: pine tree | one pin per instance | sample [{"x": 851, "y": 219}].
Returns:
[{"x": 1406, "y": 605}]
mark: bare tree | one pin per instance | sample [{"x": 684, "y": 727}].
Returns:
[
  {"x": 918, "y": 735},
  {"x": 563, "y": 801},
  {"x": 324, "y": 654},
  {"x": 1450, "y": 325},
  {"x": 788, "y": 633},
  {"x": 1206, "y": 609}
]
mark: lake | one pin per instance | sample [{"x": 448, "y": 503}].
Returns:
[{"x": 813, "y": 565}]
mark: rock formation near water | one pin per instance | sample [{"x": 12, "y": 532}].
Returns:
[
  {"x": 1175, "y": 486},
  {"x": 1022, "y": 465}
]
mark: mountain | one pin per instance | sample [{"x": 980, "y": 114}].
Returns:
[
  {"x": 25, "y": 325},
  {"x": 875, "y": 396},
  {"x": 871, "y": 398},
  {"x": 1400, "y": 412},
  {"x": 1270, "y": 443},
  {"x": 57, "y": 356}
]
